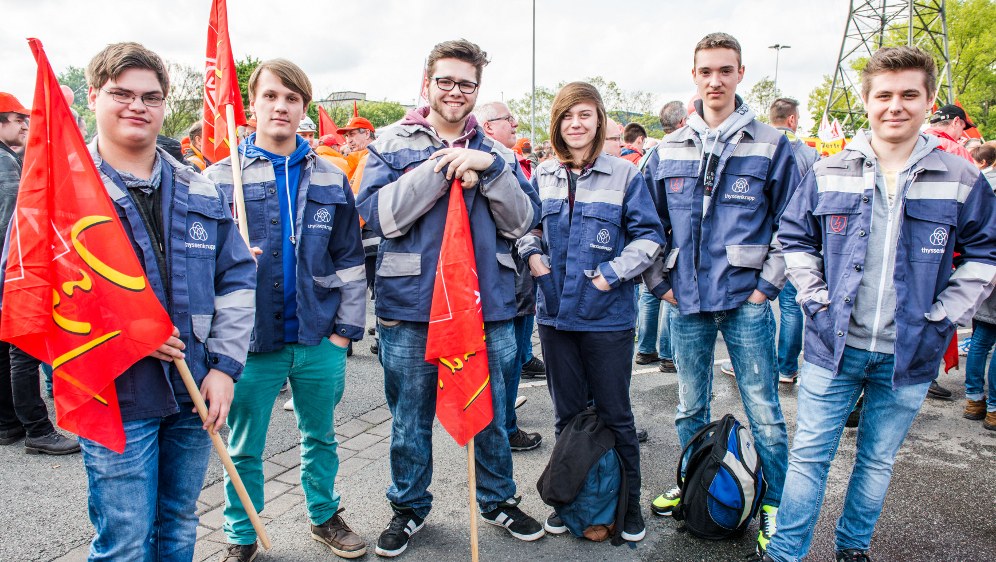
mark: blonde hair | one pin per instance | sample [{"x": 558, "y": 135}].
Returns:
[{"x": 290, "y": 75}]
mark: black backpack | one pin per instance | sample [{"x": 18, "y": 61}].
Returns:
[{"x": 723, "y": 484}]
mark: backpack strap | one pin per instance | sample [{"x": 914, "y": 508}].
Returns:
[
  {"x": 681, "y": 460},
  {"x": 621, "y": 506}
]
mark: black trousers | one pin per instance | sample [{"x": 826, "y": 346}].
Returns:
[
  {"x": 21, "y": 401},
  {"x": 600, "y": 365}
]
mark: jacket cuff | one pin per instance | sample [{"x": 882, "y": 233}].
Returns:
[
  {"x": 494, "y": 169},
  {"x": 353, "y": 333},
  {"x": 609, "y": 275},
  {"x": 661, "y": 289},
  {"x": 768, "y": 289},
  {"x": 226, "y": 365}
]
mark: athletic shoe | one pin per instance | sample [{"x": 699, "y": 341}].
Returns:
[
  {"x": 289, "y": 404},
  {"x": 534, "y": 368},
  {"x": 667, "y": 366},
  {"x": 788, "y": 379},
  {"x": 938, "y": 391},
  {"x": 634, "y": 528},
  {"x": 852, "y": 555},
  {"x": 394, "y": 539},
  {"x": 337, "y": 535},
  {"x": 285, "y": 387},
  {"x": 647, "y": 358},
  {"x": 727, "y": 369},
  {"x": 990, "y": 421},
  {"x": 371, "y": 330},
  {"x": 665, "y": 503},
  {"x": 522, "y": 441},
  {"x": 759, "y": 557},
  {"x": 975, "y": 409},
  {"x": 517, "y": 523},
  {"x": 240, "y": 553},
  {"x": 964, "y": 346},
  {"x": 642, "y": 435},
  {"x": 375, "y": 347},
  {"x": 767, "y": 526},
  {"x": 555, "y": 525},
  {"x": 520, "y": 400}
]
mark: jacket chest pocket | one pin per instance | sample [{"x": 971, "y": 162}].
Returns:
[
  {"x": 255, "y": 199},
  {"x": 550, "y": 222},
  {"x": 742, "y": 183},
  {"x": 320, "y": 210},
  {"x": 676, "y": 181},
  {"x": 929, "y": 225},
  {"x": 601, "y": 229},
  {"x": 201, "y": 239},
  {"x": 839, "y": 215}
]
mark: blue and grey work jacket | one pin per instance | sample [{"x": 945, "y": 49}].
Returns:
[
  {"x": 613, "y": 231},
  {"x": 719, "y": 255},
  {"x": 331, "y": 286},
  {"x": 403, "y": 201},
  {"x": 946, "y": 207}
]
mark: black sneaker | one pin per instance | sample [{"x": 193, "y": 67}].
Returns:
[
  {"x": 522, "y": 441},
  {"x": 642, "y": 435},
  {"x": 518, "y": 524},
  {"x": 534, "y": 368},
  {"x": 854, "y": 418},
  {"x": 852, "y": 555},
  {"x": 52, "y": 444},
  {"x": 938, "y": 391},
  {"x": 667, "y": 366},
  {"x": 394, "y": 540},
  {"x": 375, "y": 348},
  {"x": 240, "y": 553},
  {"x": 555, "y": 525},
  {"x": 634, "y": 528}
]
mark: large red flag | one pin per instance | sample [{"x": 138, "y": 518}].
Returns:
[
  {"x": 456, "y": 330},
  {"x": 74, "y": 294},
  {"x": 327, "y": 126},
  {"x": 221, "y": 85}
]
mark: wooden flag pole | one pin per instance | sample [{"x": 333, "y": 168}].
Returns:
[
  {"x": 240, "y": 199},
  {"x": 219, "y": 447},
  {"x": 472, "y": 487}
]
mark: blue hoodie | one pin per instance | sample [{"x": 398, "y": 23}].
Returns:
[{"x": 287, "y": 170}]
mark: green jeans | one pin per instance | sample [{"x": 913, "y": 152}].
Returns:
[{"x": 317, "y": 377}]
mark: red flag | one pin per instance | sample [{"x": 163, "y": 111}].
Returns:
[
  {"x": 972, "y": 133},
  {"x": 74, "y": 295},
  {"x": 456, "y": 330},
  {"x": 221, "y": 85},
  {"x": 951, "y": 355},
  {"x": 327, "y": 126}
]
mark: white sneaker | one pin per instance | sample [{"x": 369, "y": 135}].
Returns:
[
  {"x": 520, "y": 400},
  {"x": 727, "y": 368},
  {"x": 289, "y": 405}
]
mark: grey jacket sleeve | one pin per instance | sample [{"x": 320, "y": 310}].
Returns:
[
  {"x": 514, "y": 203},
  {"x": 402, "y": 202}
]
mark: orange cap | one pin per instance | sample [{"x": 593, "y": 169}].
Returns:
[
  {"x": 9, "y": 104},
  {"x": 356, "y": 123}
]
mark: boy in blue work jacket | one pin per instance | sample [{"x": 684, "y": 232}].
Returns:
[
  {"x": 402, "y": 197},
  {"x": 143, "y": 502},
  {"x": 871, "y": 227},
  {"x": 720, "y": 184},
  {"x": 304, "y": 228}
]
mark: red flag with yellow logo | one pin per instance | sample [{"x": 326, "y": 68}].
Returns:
[
  {"x": 456, "y": 330},
  {"x": 74, "y": 294},
  {"x": 221, "y": 85}
]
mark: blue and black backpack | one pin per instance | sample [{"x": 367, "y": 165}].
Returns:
[{"x": 723, "y": 484}]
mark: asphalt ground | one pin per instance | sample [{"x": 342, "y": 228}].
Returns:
[{"x": 940, "y": 506}]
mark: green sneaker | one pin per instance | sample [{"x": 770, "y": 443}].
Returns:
[
  {"x": 767, "y": 526},
  {"x": 665, "y": 503}
]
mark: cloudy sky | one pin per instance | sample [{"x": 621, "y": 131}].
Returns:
[{"x": 378, "y": 46}]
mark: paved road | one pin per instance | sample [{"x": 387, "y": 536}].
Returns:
[{"x": 940, "y": 506}]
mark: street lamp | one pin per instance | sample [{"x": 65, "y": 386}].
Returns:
[{"x": 778, "y": 47}]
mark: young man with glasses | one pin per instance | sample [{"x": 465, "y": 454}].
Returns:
[
  {"x": 403, "y": 199},
  {"x": 143, "y": 502}
]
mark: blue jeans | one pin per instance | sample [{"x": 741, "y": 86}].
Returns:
[
  {"x": 317, "y": 375},
  {"x": 789, "y": 331},
  {"x": 749, "y": 332},
  {"x": 143, "y": 502},
  {"x": 523, "y": 353},
  {"x": 983, "y": 338},
  {"x": 652, "y": 330},
  {"x": 825, "y": 401},
  {"x": 410, "y": 386}
]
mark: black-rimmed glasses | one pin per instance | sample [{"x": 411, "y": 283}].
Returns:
[
  {"x": 150, "y": 100},
  {"x": 447, "y": 84}
]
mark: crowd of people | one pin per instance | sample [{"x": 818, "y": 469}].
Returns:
[{"x": 586, "y": 236}]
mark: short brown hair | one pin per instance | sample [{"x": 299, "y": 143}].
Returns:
[
  {"x": 569, "y": 96},
  {"x": 459, "y": 49},
  {"x": 290, "y": 75},
  {"x": 894, "y": 59},
  {"x": 116, "y": 58},
  {"x": 781, "y": 109},
  {"x": 984, "y": 154},
  {"x": 718, "y": 40},
  {"x": 633, "y": 131}
]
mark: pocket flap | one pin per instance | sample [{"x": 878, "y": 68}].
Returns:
[
  {"x": 601, "y": 211},
  {"x": 836, "y": 203},
  {"x": 201, "y": 325},
  {"x": 551, "y": 207},
  {"x": 396, "y": 264},
  {"x": 506, "y": 260},
  {"x": 747, "y": 255},
  {"x": 328, "y": 281},
  {"x": 933, "y": 210},
  {"x": 326, "y": 195},
  {"x": 207, "y": 206}
]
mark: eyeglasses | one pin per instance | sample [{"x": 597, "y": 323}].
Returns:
[
  {"x": 511, "y": 120},
  {"x": 150, "y": 100},
  {"x": 447, "y": 84}
]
